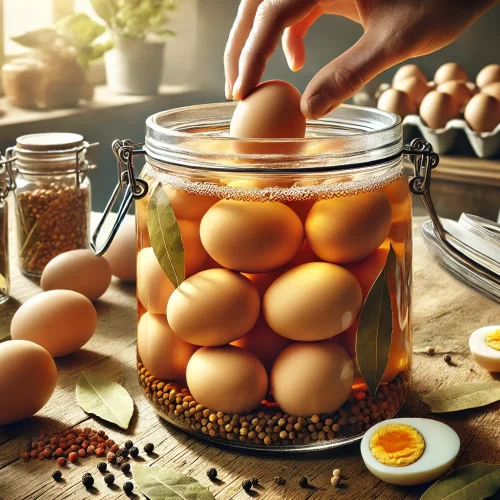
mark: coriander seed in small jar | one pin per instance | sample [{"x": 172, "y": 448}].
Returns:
[
  {"x": 52, "y": 197},
  {"x": 264, "y": 267}
]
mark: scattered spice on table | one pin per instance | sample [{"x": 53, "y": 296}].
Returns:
[
  {"x": 87, "y": 480},
  {"x": 125, "y": 468},
  {"x": 109, "y": 479},
  {"x": 149, "y": 447},
  {"x": 57, "y": 475},
  {"x": 134, "y": 452},
  {"x": 111, "y": 458},
  {"x": 447, "y": 359},
  {"x": 335, "y": 480},
  {"x": 430, "y": 350},
  {"x": 73, "y": 457},
  {"x": 61, "y": 461},
  {"x": 246, "y": 484},
  {"x": 128, "y": 487},
  {"x": 336, "y": 473},
  {"x": 255, "y": 481},
  {"x": 280, "y": 480},
  {"x": 102, "y": 466},
  {"x": 212, "y": 473},
  {"x": 303, "y": 482}
]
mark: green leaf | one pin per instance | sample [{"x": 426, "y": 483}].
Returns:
[
  {"x": 80, "y": 29},
  {"x": 93, "y": 52},
  {"x": 163, "y": 484},
  {"x": 374, "y": 335},
  {"x": 106, "y": 399},
  {"x": 105, "y": 9},
  {"x": 463, "y": 396},
  {"x": 43, "y": 38},
  {"x": 165, "y": 236},
  {"x": 477, "y": 481}
]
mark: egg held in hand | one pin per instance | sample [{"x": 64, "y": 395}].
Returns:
[
  {"x": 162, "y": 352},
  {"x": 484, "y": 345},
  {"x": 251, "y": 237},
  {"x": 313, "y": 301},
  {"x": 77, "y": 270},
  {"x": 311, "y": 378},
  {"x": 409, "y": 451},
  {"x": 347, "y": 229},
  {"x": 61, "y": 321},
  {"x": 213, "y": 307},
  {"x": 227, "y": 378},
  {"x": 28, "y": 377},
  {"x": 271, "y": 110}
]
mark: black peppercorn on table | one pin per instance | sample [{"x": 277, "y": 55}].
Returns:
[{"x": 444, "y": 315}]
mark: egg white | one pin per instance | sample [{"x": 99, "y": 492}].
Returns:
[
  {"x": 484, "y": 355},
  {"x": 441, "y": 449}
]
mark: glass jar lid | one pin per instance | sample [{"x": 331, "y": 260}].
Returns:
[
  {"x": 198, "y": 137},
  {"x": 51, "y": 141}
]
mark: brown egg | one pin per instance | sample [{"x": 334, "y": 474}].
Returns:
[
  {"x": 188, "y": 206},
  {"x": 77, "y": 270},
  {"x": 227, "y": 378},
  {"x": 121, "y": 255},
  {"x": 153, "y": 286},
  {"x": 458, "y": 90},
  {"x": 398, "y": 194},
  {"x": 415, "y": 88},
  {"x": 397, "y": 102},
  {"x": 489, "y": 74},
  {"x": 311, "y": 378},
  {"x": 272, "y": 110},
  {"x": 407, "y": 71},
  {"x": 61, "y": 321},
  {"x": 213, "y": 307},
  {"x": 264, "y": 342},
  {"x": 313, "y": 301},
  {"x": 301, "y": 208},
  {"x": 367, "y": 270},
  {"x": 28, "y": 377},
  {"x": 194, "y": 253},
  {"x": 162, "y": 352},
  {"x": 482, "y": 113},
  {"x": 437, "y": 109},
  {"x": 450, "y": 71},
  {"x": 349, "y": 228},
  {"x": 493, "y": 89},
  {"x": 251, "y": 237},
  {"x": 472, "y": 87}
]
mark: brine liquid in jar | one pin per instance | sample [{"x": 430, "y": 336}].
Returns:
[{"x": 257, "y": 344}]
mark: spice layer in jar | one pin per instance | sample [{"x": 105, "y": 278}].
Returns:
[
  {"x": 257, "y": 346},
  {"x": 52, "y": 198}
]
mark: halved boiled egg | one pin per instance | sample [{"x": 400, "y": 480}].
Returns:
[
  {"x": 409, "y": 451},
  {"x": 484, "y": 345}
]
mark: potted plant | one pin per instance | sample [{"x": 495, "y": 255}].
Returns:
[
  {"x": 53, "y": 73},
  {"x": 135, "y": 64}
]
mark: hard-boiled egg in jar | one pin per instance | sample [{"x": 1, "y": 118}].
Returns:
[
  {"x": 409, "y": 451},
  {"x": 484, "y": 345}
]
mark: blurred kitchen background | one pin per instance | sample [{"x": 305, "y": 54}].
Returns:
[{"x": 193, "y": 73}]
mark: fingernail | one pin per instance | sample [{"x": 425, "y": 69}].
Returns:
[
  {"x": 236, "y": 88},
  {"x": 318, "y": 105},
  {"x": 229, "y": 93},
  {"x": 290, "y": 60}
]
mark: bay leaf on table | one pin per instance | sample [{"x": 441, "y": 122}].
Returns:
[
  {"x": 463, "y": 396},
  {"x": 476, "y": 481},
  {"x": 108, "y": 400},
  {"x": 157, "y": 483},
  {"x": 374, "y": 335},
  {"x": 165, "y": 236}
]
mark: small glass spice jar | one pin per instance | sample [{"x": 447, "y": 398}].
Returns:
[
  {"x": 52, "y": 197},
  {"x": 7, "y": 184}
]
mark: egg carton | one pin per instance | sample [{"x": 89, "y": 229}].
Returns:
[{"x": 484, "y": 144}]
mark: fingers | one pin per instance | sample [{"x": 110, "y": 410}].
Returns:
[
  {"x": 343, "y": 77},
  {"x": 293, "y": 40},
  {"x": 271, "y": 19},
  {"x": 236, "y": 41}
]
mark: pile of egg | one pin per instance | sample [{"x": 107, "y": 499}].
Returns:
[
  {"x": 269, "y": 287},
  {"x": 57, "y": 322},
  {"x": 450, "y": 95}
]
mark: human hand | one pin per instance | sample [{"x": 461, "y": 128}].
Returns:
[{"x": 394, "y": 30}]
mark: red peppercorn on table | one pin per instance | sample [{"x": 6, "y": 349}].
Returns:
[{"x": 445, "y": 313}]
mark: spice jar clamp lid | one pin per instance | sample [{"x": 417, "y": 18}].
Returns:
[{"x": 52, "y": 141}]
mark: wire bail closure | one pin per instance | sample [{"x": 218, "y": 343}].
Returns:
[
  {"x": 10, "y": 184},
  {"x": 135, "y": 188}
]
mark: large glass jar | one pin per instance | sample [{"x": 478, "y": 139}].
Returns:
[
  {"x": 52, "y": 197},
  {"x": 274, "y": 278}
]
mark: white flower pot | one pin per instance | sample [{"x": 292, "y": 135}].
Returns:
[{"x": 134, "y": 67}]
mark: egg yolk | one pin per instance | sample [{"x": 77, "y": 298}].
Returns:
[
  {"x": 397, "y": 445},
  {"x": 493, "y": 340}
]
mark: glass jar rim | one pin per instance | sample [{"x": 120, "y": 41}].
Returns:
[{"x": 348, "y": 137}]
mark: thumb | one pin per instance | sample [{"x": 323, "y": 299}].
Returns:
[{"x": 344, "y": 76}]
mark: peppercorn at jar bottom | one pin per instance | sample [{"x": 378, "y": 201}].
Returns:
[{"x": 268, "y": 425}]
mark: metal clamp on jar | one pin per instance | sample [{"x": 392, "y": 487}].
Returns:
[{"x": 52, "y": 197}]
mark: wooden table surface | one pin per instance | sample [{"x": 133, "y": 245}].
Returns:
[{"x": 444, "y": 315}]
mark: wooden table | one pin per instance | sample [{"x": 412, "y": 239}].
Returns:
[{"x": 444, "y": 315}]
